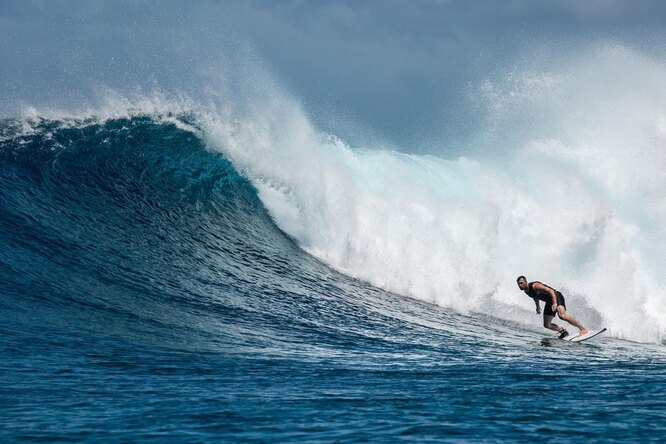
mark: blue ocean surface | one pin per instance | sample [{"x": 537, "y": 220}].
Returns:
[{"x": 147, "y": 295}]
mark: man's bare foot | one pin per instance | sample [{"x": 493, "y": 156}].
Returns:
[{"x": 583, "y": 332}]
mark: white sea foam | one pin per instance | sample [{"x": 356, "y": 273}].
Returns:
[
  {"x": 577, "y": 200},
  {"x": 110, "y": 104}
]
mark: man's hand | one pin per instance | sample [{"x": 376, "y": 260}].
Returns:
[
  {"x": 538, "y": 310},
  {"x": 554, "y": 307}
]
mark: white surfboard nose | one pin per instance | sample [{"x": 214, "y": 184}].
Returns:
[{"x": 589, "y": 335}]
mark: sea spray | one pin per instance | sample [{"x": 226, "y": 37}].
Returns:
[{"x": 458, "y": 231}]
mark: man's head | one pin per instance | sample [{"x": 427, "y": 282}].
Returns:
[{"x": 522, "y": 282}]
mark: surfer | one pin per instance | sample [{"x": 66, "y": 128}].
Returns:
[{"x": 554, "y": 303}]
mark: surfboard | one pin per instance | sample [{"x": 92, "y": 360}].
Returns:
[{"x": 589, "y": 335}]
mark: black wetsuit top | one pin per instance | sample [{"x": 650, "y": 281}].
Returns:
[{"x": 545, "y": 297}]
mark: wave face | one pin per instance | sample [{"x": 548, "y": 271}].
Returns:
[
  {"x": 156, "y": 287},
  {"x": 128, "y": 218}
]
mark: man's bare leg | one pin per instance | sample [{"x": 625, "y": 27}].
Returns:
[
  {"x": 547, "y": 322},
  {"x": 562, "y": 313}
]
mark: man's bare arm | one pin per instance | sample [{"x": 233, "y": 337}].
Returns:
[
  {"x": 539, "y": 287},
  {"x": 536, "y": 302}
]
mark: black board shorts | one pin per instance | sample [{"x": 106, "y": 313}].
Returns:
[{"x": 548, "y": 311}]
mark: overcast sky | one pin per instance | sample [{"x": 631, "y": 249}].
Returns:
[{"x": 399, "y": 69}]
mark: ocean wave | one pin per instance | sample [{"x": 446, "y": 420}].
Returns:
[{"x": 454, "y": 232}]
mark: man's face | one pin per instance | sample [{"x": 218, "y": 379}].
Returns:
[{"x": 522, "y": 284}]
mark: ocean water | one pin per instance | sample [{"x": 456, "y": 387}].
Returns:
[{"x": 178, "y": 277}]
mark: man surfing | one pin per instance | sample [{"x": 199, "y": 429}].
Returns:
[{"x": 554, "y": 303}]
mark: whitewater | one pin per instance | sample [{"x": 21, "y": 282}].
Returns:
[{"x": 586, "y": 211}]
